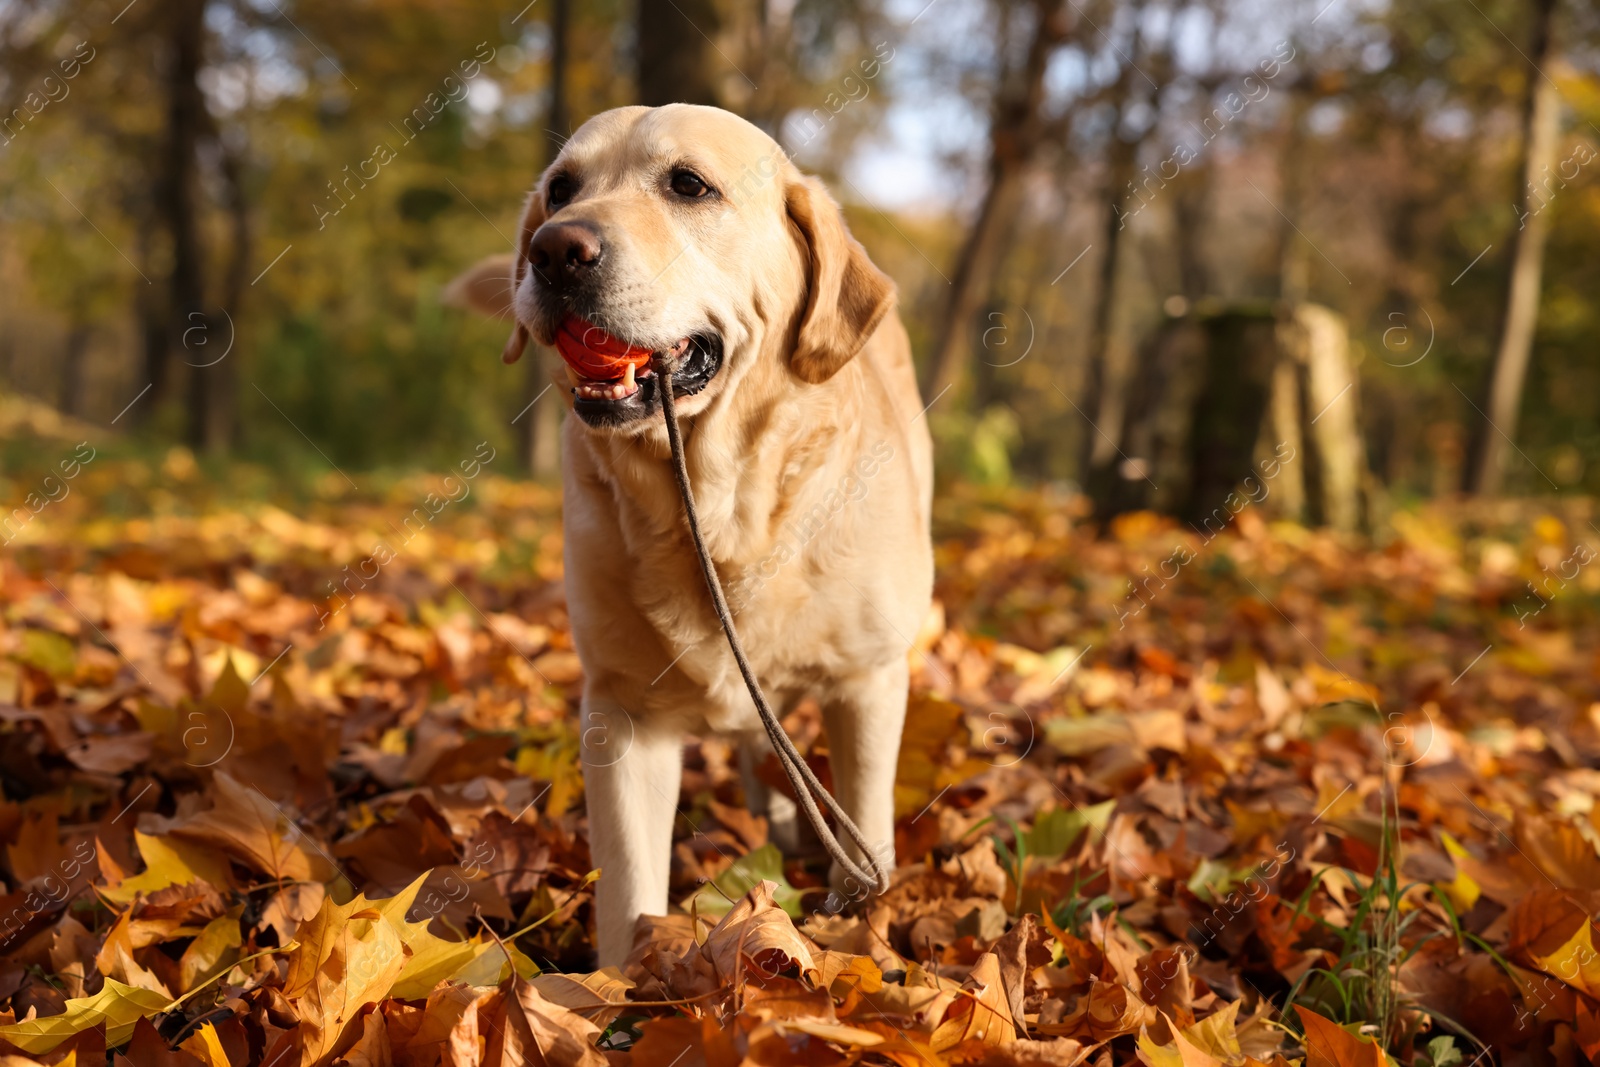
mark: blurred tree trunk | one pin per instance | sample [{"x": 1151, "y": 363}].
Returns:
[
  {"x": 178, "y": 198},
  {"x": 1016, "y": 132},
  {"x": 1294, "y": 255},
  {"x": 1155, "y": 415},
  {"x": 151, "y": 306},
  {"x": 1315, "y": 398},
  {"x": 678, "y": 61},
  {"x": 72, "y": 359},
  {"x": 1105, "y": 385},
  {"x": 773, "y": 39},
  {"x": 1541, "y": 115},
  {"x": 980, "y": 258},
  {"x": 215, "y": 382},
  {"x": 540, "y": 441},
  {"x": 1190, "y": 209},
  {"x": 1290, "y": 379}
]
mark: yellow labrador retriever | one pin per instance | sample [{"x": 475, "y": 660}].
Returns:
[{"x": 686, "y": 230}]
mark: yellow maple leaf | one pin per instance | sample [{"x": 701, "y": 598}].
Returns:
[
  {"x": 215, "y": 948},
  {"x": 1575, "y": 962},
  {"x": 346, "y": 957},
  {"x": 433, "y": 961},
  {"x": 169, "y": 861},
  {"x": 118, "y": 1006},
  {"x": 1217, "y": 1034}
]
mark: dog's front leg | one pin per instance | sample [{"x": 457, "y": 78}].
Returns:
[
  {"x": 631, "y": 771},
  {"x": 863, "y": 720}
]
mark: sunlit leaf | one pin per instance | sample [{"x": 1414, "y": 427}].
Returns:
[
  {"x": 116, "y": 1007},
  {"x": 764, "y": 864}
]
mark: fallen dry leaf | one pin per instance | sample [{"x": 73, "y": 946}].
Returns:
[
  {"x": 1331, "y": 1045},
  {"x": 116, "y": 1007},
  {"x": 981, "y": 1014},
  {"x": 539, "y": 1033},
  {"x": 1179, "y": 800}
]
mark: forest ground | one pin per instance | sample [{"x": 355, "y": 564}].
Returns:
[{"x": 1275, "y": 795}]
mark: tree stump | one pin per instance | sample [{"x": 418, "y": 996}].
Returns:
[{"x": 1240, "y": 405}]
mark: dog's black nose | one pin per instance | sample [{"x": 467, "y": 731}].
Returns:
[{"x": 564, "y": 253}]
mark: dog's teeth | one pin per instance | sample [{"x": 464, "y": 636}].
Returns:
[{"x": 593, "y": 390}]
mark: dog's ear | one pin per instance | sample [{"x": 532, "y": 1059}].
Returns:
[
  {"x": 532, "y": 218},
  {"x": 484, "y": 287},
  {"x": 846, "y": 294}
]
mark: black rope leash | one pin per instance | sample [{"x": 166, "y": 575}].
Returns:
[{"x": 806, "y": 786}]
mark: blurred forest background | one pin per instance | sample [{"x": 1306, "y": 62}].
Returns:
[
  {"x": 1328, "y": 261},
  {"x": 1140, "y": 245}
]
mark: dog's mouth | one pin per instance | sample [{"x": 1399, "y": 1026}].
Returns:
[{"x": 615, "y": 381}]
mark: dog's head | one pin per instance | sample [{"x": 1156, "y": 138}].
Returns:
[{"x": 687, "y": 232}]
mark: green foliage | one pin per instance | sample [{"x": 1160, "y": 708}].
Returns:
[
  {"x": 344, "y": 355},
  {"x": 381, "y": 149},
  {"x": 977, "y": 449},
  {"x": 765, "y": 864},
  {"x": 1056, "y": 831},
  {"x": 1360, "y": 991}
]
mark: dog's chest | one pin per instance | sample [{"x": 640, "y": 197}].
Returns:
[
  {"x": 800, "y": 595},
  {"x": 787, "y": 634}
]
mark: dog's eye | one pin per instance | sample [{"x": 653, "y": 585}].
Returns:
[
  {"x": 688, "y": 183},
  {"x": 560, "y": 190}
]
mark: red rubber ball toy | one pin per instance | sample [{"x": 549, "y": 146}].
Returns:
[{"x": 595, "y": 354}]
